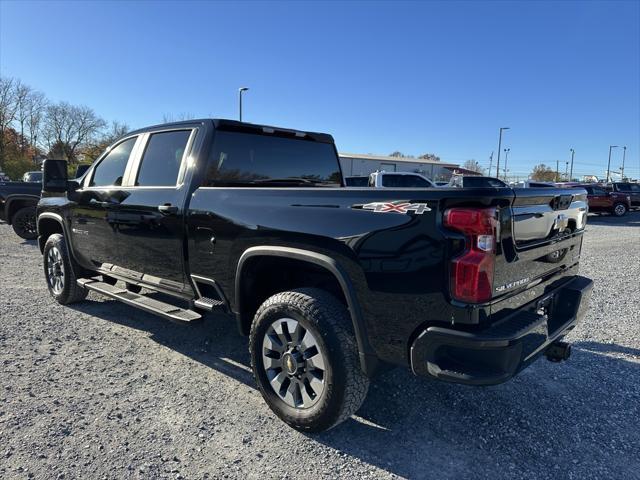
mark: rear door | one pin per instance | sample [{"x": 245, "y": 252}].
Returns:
[{"x": 150, "y": 218}]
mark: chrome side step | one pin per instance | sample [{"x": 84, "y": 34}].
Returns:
[
  {"x": 151, "y": 305},
  {"x": 209, "y": 304}
]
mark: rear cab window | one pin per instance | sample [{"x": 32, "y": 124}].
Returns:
[{"x": 241, "y": 159}]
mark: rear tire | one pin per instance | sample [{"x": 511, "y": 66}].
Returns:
[
  {"x": 59, "y": 272},
  {"x": 24, "y": 223},
  {"x": 304, "y": 358},
  {"x": 619, "y": 210}
]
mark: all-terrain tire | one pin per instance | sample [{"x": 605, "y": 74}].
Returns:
[
  {"x": 59, "y": 272},
  {"x": 24, "y": 223},
  {"x": 345, "y": 384}
]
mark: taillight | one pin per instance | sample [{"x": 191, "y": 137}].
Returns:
[{"x": 472, "y": 271}]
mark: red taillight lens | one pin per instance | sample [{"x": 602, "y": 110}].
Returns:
[{"x": 472, "y": 271}]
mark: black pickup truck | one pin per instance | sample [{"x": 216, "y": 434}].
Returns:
[
  {"x": 332, "y": 284},
  {"x": 18, "y": 202}
]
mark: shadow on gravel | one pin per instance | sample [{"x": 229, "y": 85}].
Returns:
[
  {"x": 212, "y": 341},
  {"x": 631, "y": 219},
  {"x": 552, "y": 418}
]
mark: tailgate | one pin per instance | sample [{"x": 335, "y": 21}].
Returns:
[{"x": 541, "y": 237}]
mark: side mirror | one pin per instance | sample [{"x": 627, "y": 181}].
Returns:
[{"x": 54, "y": 176}]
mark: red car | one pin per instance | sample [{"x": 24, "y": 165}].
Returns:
[{"x": 600, "y": 200}]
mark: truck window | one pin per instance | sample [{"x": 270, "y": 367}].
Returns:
[
  {"x": 162, "y": 159},
  {"x": 244, "y": 159},
  {"x": 111, "y": 168}
]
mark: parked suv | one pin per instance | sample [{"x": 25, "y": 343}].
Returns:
[
  {"x": 331, "y": 284},
  {"x": 626, "y": 188},
  {"x": 600, "y": 200}
]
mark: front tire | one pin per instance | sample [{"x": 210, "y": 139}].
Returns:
[
  {"x": 304, "y": 358},
  {"x": 620, "y": 210},
  {"x": 24, "y": 223},
  {"x": 58, "y": 270}
]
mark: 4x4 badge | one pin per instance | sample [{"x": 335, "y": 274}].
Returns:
[{"x": 388, "y": 207}]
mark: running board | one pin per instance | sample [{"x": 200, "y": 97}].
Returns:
[
  {"x": 151, "y": 305},
  {"x": 209, "y": 304}
]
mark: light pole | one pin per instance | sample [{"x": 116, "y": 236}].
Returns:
[
  {"x": 240, "y": 90},
  {"x": 557, "y": 169},
  {"x": 506, "y": 158},
  {"x": 573, "y": 152},
  {"x": 490, "y": 162},
  {"x": 609, "y": 164},
  {"x": 499, "y": 147},
  {"x": 566, "y": 171},
  {"x": 624, "y": 154}
]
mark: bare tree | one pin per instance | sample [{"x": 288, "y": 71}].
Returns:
[
  {"x": 180, "y": 117},
  {"x": 37, "y": 106},
  {"x": 94, "y": 149},
  {"x": 22, "y": 97},
  {"x": 474, "y": 166},
  {"x": 68, "y": 126}
]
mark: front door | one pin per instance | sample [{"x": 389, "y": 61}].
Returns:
[
  {"x": 150, "y": 217},
  {"x": 93, "y": 218}
]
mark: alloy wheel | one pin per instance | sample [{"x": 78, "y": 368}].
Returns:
[
  {"x": 27, "y": 224},
  {"x": 294, "y": 363},
  {"x": 55, "y": 270}
]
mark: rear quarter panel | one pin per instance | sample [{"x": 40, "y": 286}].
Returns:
[{"x": 395, "y": 261}]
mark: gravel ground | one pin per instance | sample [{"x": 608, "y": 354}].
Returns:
[{"x": 100, "y": 390}]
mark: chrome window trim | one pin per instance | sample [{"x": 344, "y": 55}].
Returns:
[
  {"x": 135, "y": 167},
  {"x": 88, "y": 177}
]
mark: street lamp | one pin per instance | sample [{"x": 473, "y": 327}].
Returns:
[
  {"x": 624, "y": 154},
  {"x": 573, "y": 152},
  {"x": 609, "y": 164},
  {"x": 506, "y": 158},
  {"x": 240, "y": 90},
  {"x": 499, "y": 147}
]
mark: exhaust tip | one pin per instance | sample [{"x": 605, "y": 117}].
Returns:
[{"x": 558, "y": 352}]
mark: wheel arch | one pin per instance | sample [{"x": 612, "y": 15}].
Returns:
[
  {"x": 369, "y": 361},
  {"x": 13, "y": 203}
]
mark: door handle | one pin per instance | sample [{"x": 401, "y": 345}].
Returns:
[{"x": 168, "y": 209}]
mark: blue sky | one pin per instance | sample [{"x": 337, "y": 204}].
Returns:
[{"x": 437, "y": 77}]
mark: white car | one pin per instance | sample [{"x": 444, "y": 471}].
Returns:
[{"x": 384, "y": 179}]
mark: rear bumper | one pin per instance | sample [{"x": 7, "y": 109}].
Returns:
[{"x": 497, "y": 353}]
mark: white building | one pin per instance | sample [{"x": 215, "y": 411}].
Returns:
[{"x": 357, "y": 164}]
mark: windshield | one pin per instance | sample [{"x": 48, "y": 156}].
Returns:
[{"x": 34, "y": 177}]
